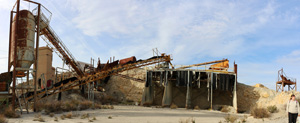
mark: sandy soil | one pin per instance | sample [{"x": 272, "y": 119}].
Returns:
[{"x": 135, "y": 114}]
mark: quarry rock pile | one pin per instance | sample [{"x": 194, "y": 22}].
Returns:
[
  {"x": 126, "y": 90},
  {"x": 260, "y": 96}
]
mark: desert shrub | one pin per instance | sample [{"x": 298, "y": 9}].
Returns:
[
  {"x": 83, "y": 116},
  {"x": 189, "y": 120},
  {"x": 173, "y": 106},
  {"x": 272, "y": 109},
  {"x": 244, "y": 119},
  {"x": 39, "y": 106},
  {"x": 109, "y": 117},
  {"x": 69, "y": 115},
  {"x": 9, "y": 113},
  {"x": 38, "y": 117},
  {"x": 56, "y": 119},
  {"x": 259, "y": 113},
  {"x": 62, "y": 117},
  {"x": 53, "y": 107},
  {"x": 224, "y": 109},
  {"x": 85, "y": 105},
  {"x": 2, "y": 119},
  {"x": 51, "y": 114},
  {"x": 69, "y": 106},
  {"x": 196, "y": 107},
  {"x": 111, "y": 107},
  {"x": 230, "y": 118},
  {"x": 97, "y": 106}
]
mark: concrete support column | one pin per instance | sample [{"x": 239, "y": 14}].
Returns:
[
  {"x": 188, "y": 102},
  {"x": 211, "y": 89},
  {"x": 234, "y": 96},
  {"x": 167, "y": 97},
  {"x": 148, "y": 94}
]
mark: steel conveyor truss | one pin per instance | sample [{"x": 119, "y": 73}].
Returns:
[{"x": 75, "y": 82}]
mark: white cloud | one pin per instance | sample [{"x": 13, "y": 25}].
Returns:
[{"x": 196, "y": 28}]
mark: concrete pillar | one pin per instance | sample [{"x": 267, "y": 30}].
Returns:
[
  {"x": 148, "y": 94},
  {"x": 211, "y": 89},
  {"x": 188, "y": 102},
  {"x": 234, "y": 96},
  {"x": 167, "y": 97}
]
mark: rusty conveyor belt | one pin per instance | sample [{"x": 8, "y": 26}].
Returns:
[
  {"x": 52, "y": 39},
  {"x": 75, "y": 82}
]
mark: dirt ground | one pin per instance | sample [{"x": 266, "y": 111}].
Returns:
[{"x": 134, "y": 114}]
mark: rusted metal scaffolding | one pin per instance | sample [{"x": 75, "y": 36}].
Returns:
[
  {"x": 283, "y": 80},
  {"x": 42, "y": 28},
  {"x": 98, "y": 76},
  {"x": 14, "y": 55}
]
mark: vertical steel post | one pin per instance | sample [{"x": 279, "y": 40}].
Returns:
[
  {"x": 15, "y": 58},
  {"x": 9, "y": 44},
  {"x": 36, "y": 54},
  {"x": 211, "y": 89}
]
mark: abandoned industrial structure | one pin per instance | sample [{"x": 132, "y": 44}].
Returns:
[{"x": 31, "y": 76}]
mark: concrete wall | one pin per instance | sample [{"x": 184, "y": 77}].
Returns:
[{"x": 45, "y": 58}]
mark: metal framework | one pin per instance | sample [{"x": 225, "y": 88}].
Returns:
[
  {"x": 100, "y": 75},
  {"x": 55, "y": 43},
  {"x": 205, "y": 63},
  {"x": 15, "y": 69},
  {"x": 283, "y": 80}
]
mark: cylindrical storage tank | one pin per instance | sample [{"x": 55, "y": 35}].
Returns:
[
  {"x": 128, "y": 60},
  {"x": 25, "y": 41}
]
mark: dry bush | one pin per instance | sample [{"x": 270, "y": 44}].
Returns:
[
  {"x": 173, "y": 106},
  {"x": 39, "y": 106},
  {"x": 69, "y": 106},
  {"x": 90, "y": 120},
  {"x": 230, "y": 118},
  {"x": 51, "y": 114},
  {"x": 196, "y": 107},
  {"x": 9, "y": 113},
  {"x": 56, "y": 119},
  {"x": 272, "y": 109},
  {"x": 189, "y": 120},
  {"x": 107, "y": 107},
  {"x": 98, "y": 106},
  {"x": 53, "y": 107},
  {"x": 109, "y": 117},
  {"x": 62, "y": 117},
  {"x": 69, "y": 115},
  {"x": 83, "y": 116},
  {"x": 260, "y": 113},
  {"x": 111, "y": 107},
  {"x": 85, "y": 105},
  {"x": 224, "y": 109},
  {"x": 94, "y": 118},
  {"x": 2, "y": 119},
  {"x": 38, "y": 117}
]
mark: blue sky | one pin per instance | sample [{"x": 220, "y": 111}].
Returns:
[{"x": 260, "y": 36}]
